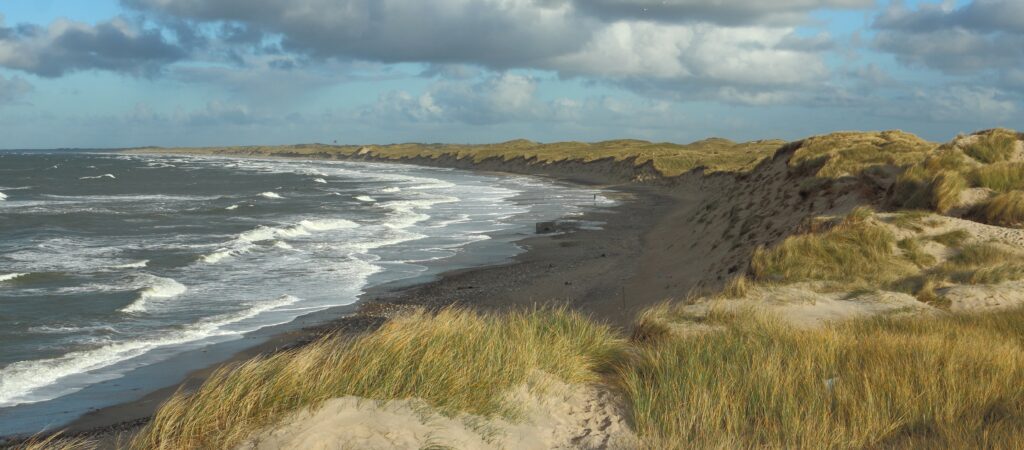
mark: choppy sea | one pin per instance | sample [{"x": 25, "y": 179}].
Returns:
[{"x": 120, "y": 273}]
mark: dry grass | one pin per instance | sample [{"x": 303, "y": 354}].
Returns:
[
  {"x": 993, "y": 146},
  {"x": 849, "y": 153},
  {"x": 913, "y": 251},
  {"x": 912, "y": 220},
  {"x": 983, "y": 263},
  {"x": 1000, "y": 177},
  {"x": 456, "y": 361},
  {"x": 56, "y": 441},
  {"x": 919, "y": 188},
  {"x": 857, "y": 250},
  {"x": 867, "y": 384},
  {"x": 1006, "y": 210},
  {"x": 954, "y": 238}
]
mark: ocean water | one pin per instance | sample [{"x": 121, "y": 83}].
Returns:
[{"x": 112, "y": 265}]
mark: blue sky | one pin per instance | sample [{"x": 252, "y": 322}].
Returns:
[{"x": 116, "y": 73}]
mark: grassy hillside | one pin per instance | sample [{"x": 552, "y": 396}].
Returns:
[{"x": 669, "y": 159}]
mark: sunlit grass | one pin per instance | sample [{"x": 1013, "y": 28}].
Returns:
[
  {"x": 854, "y": 251},
  {"x": 949, "y": 382},
  {"x": 456, "y": 361},
  {"x": 995, "y": 146},
  {"x": 1005, "y": 210}
]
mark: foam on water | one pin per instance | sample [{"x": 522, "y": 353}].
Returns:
[
  {"x": 20, "y": 381},
  {"x": 132, "y": 265},
  {"x": 247, "y": 240},
  {"x": 97, "y": 177},
  {"x": 3, "y": 196},
  {"x": 11, "y": 276},
  {"x": 158, "y": 288},
  {"x": 315, "y": 246}
]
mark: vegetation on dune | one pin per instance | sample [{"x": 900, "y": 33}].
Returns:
[
  {"x": 913, "y": 251},
  {"x": 456, "y": 361},
  {"x": 982, "y": 263},
  {"x": 993, "y": 146},
  {"x": 954, "y": 238},
  {"x": 856, "y": 250},
  {"x": 850, "y": 153},
  {"x": 933, "y": 184},
  {"x": 883, "y": 383},
  {"x": 716, "y": 154},
  {"x": 1005, "y": 210},
  {"x": 56, "y": 442},
  {"x": 911, "y": 220},
  {"x": 1000, "y": 177}
]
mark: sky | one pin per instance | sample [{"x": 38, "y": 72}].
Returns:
[{"x": 123, "y": 73}]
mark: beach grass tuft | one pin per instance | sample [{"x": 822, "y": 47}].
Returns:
[
  {"x": 855, "y": 250},
  {"x": 1000, "y": 177},
  {"x": 878, "y": 383},
  {"x": 993, "y": 147},
  {"x": 1005, "y": 210},
  {"x": 456, "y": 361}
]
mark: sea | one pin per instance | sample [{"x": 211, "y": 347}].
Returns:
[{"x": 121, "y": 273}]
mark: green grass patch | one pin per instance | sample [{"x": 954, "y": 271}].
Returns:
[
  {"x": 884, "y": 383},
  {"x": 456, "y": 361}
]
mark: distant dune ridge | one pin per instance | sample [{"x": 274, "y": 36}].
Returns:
[{"x": 850, "y": 290}]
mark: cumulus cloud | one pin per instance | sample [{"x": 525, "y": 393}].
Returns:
[
  {"x": 495, "y": 33},
  {"x": 66, "y": 46},
  {"x": 11, "y": 89},
  {"x": 499, "y": 98},
  {"x": 982, "y": 35},
  {"x": 574, "y": 38}
]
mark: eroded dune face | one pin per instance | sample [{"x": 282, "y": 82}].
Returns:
[{"x": 554, "y": 415}]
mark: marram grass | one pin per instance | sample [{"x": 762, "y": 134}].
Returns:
[
  {"x": 1006, "y": 210},
  {"x": 926, "y": 382},
  {"x": 457, "y": 361},
  {"x": 854, "y": 251}
]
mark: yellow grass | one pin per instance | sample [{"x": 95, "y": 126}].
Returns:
[
  {"x": 849, "y": 153},
  {"x": 1000, "y": 177},
  {"x": 1005, "y": 210},
  {"x": 993, "y": 146},
  {"x": 56, "y": 442},
  {"x": 456, "y": 361},
  {"x": 949, "y": 382},
  {"x": 854, "y": 251}
]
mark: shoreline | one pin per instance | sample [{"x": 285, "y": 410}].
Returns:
[{"x": 563, "y": 256}]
